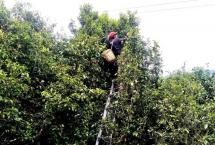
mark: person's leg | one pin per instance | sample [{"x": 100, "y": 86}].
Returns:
[
  {"x": 114, "y": 69},
  {"x": 107, "y": 69}
]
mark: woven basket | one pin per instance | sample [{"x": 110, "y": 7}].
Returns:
[{"x": 108, "y": 55}]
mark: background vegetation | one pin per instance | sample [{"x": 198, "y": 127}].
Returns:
[{"x": 53, "y": 91}]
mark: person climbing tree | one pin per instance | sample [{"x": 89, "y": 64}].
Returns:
[{"x": 116, "y": 44}]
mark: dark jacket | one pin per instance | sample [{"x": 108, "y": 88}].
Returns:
[{"x": 116, "y": 44}]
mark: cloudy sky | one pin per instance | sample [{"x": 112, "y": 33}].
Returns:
[{"x": 185, "y": 29}]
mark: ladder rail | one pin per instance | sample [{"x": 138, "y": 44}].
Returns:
[{"x": 105, "y": 113}]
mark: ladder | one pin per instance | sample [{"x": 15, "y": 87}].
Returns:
[{"x": 106, "y": 115}]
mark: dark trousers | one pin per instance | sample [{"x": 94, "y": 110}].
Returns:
[
  {"x": 110, "y": 72},
  {"x": 110, "y": 68}
]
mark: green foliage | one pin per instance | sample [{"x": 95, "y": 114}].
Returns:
[
  {"x": 207, "y": 80},
  {"x": 5, "y": 16},
  {"x": 25, "y": 70},
  {"x": 53, "y": 91},
  {"x": 181, "y": 119},
  {"x": 88, "y": 20},
  {"x": 22, "y": 13}
]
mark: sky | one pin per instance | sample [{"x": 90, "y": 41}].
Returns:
[{"x": 184, "y": 29}]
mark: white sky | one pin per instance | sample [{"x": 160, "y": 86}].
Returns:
[{"x": 185, "y": 35}]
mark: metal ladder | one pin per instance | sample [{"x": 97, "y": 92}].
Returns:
[{"x": 107, "y": 115}]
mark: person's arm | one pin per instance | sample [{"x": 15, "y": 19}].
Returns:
[
  {"x": 124, "y": 39},
  {"x": 106, "y": 42},
  {"x": 102, "y": 40}
]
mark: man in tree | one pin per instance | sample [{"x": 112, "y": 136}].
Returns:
[{"x": 116, "y": 44}]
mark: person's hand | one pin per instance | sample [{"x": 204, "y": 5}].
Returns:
[{"x": 102, "y": 40}]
